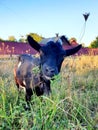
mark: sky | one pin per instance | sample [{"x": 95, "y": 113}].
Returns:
[{"x": 48, "y": 17}]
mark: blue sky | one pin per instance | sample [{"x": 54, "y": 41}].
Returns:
[{"x": 47, "y": 17}]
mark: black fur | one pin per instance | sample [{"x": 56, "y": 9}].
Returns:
[{"x": 51, "y": 57}]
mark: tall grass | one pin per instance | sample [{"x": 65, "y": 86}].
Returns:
[{"x": 72, "y": 105}]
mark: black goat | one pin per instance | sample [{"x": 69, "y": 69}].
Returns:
[{"x": 49, "y": 63}]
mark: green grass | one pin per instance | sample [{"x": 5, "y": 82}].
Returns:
[{"x": 72, "y": 105}]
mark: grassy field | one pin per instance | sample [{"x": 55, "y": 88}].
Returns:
[{"x": 72, "y": 105}]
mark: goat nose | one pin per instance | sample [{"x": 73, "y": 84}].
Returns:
[{"x": 50, "y": 70}]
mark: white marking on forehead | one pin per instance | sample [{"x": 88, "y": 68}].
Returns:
[
  {"x": 60, "y": 41},
  {"x": 19, "y": 64},
  {"x": 51, "y": 39}
]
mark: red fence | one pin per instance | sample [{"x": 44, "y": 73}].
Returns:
[{"x": 15, "y": 48}]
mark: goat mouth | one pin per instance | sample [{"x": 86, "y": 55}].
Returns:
[{"x": 47, "y": 77}]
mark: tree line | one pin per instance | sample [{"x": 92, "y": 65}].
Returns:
[
  {"x": 38, "y": 38},
  {"x": 23, "y": 39}
]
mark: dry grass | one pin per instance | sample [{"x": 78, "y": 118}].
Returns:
[{"x": 73, "y": 104}]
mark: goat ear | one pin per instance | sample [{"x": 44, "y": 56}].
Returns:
[
  {"x": 33, "y": 43},
  {"x": 72, "y": 50}
]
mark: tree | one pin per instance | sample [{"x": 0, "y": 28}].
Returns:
[
  {"x": 94, "y": 44},
  {"x": 12, "y": 38},
  {"x": 36, "y": 37},
  {"x": 1, "y": 39},
  {"x": 73, "y": 39},
  {"x": 22, "y": 39}
]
